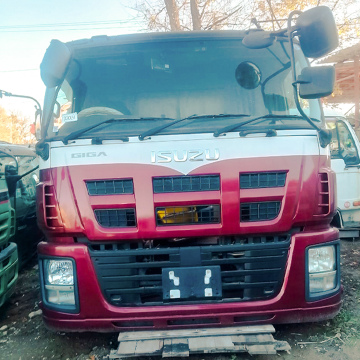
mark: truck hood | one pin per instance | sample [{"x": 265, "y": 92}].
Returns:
[{"x": 240, "y": 209}]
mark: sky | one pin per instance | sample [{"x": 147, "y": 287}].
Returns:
[{"x": 27, "y": 27}]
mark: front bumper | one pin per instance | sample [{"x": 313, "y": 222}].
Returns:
[{"x": 288, "y": 306}]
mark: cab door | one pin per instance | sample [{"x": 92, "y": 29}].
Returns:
[{"x": 345, "y": 162}]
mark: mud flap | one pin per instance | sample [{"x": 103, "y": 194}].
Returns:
[{"x": 254, "y": 340}]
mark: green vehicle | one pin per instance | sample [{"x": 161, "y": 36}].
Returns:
[
  {"x": 8, "y": 250},
  {"x": 22, "y": 193}
]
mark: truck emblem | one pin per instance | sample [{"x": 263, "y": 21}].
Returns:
[
  {"x": 184, "y": 155},
  {"x": 87, "y": 154}
]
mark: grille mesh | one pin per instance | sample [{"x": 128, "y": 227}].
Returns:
[
  {"x": 116, "y": 217},
  {"x": 262, "y": 180},
  {"x": 259, "y": 211},
  {"x": 204, "y": 214},
  {"x": 251, "y": 269},
  {"x": 110, "y": 187},
  {"x": 186, "y": 183}
]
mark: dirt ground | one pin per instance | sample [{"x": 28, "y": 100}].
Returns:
[{"x": 24, "y": 337}]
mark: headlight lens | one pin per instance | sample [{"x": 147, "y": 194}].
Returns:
[
  {"x": 322, "y": 259},
  {"x": 322, "y": 268},
  {"x": 59, "y": 272},
  {"x": 59, "y": 286}
]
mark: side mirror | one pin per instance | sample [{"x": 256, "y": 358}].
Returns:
[
  {"x": 36, "y": 126},
  {"x": 316, "y": 82},
  {"x": 55, "y": 63},
  {"x": 12, "y": 177},
  {"x": 317, "y": 32}
]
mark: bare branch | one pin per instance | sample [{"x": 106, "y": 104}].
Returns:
[
  {"x": 221, "y": 20},
  {"x": 273, "y": 15}
]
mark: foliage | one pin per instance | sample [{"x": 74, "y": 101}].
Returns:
[
  {"x": 14, "y": 128},
  {"x": 212, "y": 14},
  {"x": 179, "y": 15}
]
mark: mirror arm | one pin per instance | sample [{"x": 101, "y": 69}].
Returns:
[
  {"x": 6, "y": 93},
  {"x": 324, "y": 134},
  {"x": 42, "y": 149},
  {"x": 28, "y": 172}
]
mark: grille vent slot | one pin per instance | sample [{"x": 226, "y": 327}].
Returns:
[
  {"x": 259, "y": 211},
  {"x": 186, "y": 183},
  {"x": 110, "y": 187},
  {"x": 112, "y": 218},
  {"x": 52, "y": 216},
  {"x": 262, "y": 180},
  {"x": 323, "y": 195},
  {"x": 185, "y": 215}
]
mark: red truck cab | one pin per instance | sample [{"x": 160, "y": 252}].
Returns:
[{"x": 184, "y": 184}]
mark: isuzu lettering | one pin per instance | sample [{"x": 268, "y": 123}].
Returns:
[{"x": 185, "y": 180}]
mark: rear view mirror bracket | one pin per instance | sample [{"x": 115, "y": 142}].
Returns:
[{"x": 324, "y": 134}]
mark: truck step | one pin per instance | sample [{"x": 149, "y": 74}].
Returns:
[
  {"x": 254, "y": 340},
  {"x": 349, "y": 234}
]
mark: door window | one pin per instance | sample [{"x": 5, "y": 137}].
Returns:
[{"x": 342, "y": 144}]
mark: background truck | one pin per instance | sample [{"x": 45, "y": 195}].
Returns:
[
  {"x": 183, "y": 184},
  {"x": 345, "y": 161},
  {"x": 8, "y": 250}
]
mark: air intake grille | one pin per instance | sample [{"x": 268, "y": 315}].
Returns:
[
  {"x": 204, "y": 214},
  {"x": 52, "y": 216},
  {"x": 259, "y": 211},
  {"x": 116, "y": 217},
  {"x": 323, "y": 195},
  {"x": 262, "y": 180},
  {"x": 186, "y": 183},
  {"x": 110, "y": 187},
  {"x": 251, "y": 269}
]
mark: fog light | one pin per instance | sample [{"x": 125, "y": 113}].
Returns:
[
  {"x": 322, "y": 282},
  {"x": 60, "y": 295}
]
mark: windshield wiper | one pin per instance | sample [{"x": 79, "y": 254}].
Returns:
[
  {"x": 232, "y": 127},
  {"x": 161, "y": 127},
  {"x": 79, "y": 132}
]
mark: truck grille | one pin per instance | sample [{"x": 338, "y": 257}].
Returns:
[
  {"x": 251, "y": 269},
  {"x": 262, "y": 180},
  {"x": 116, "y": 217},
  {"x": 259, "y": 211},
  {"x": 110, "y": 187},
  {"x": 176, "y": 184}
]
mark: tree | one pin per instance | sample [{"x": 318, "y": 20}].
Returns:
[
  {"x": 180, "y": 15},
  {"x": 346, "y": 13},
  {"x": 14, "y": 128}
]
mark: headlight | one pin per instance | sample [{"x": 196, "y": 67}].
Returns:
[
  {"x": 59, "y": 278},
  {"x": 322, "y": 270},
  {"x": 321, "y": 259},
  {"x": 59, "y": 272}
]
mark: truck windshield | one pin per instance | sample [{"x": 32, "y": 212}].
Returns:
[{"x": 154, "y": 83}]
